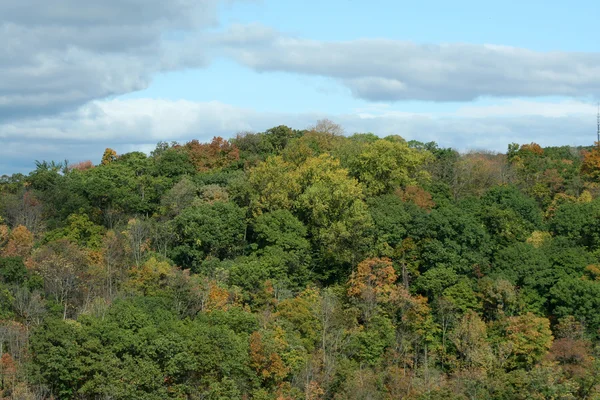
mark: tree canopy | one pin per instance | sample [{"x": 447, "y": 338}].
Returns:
[{"x": 303, "y": 264}]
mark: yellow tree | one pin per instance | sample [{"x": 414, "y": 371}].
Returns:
[
  {"x": 388, "y": 164},
  {"x": 529, "y": 339},
  {"x": 470, "y": 339},
  {"x": 20, "y": 242},
  {"x": 109, "y": 156}
]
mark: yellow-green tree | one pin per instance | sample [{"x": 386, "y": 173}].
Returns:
[
  {"x": 322, "y": 195},
  {"x": 389, "y": 164}
]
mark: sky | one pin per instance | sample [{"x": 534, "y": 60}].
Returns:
[{"x": 77, "y": 76}]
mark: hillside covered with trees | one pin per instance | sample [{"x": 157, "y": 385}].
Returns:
[{"x": 303, "y": 264}]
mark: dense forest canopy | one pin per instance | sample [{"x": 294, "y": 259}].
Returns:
[{"x": 303, "y": 264}]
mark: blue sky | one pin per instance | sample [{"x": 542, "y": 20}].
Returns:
[{"x": 75, "y": 79}]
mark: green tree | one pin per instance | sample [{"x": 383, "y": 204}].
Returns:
[
  {"x": 577, "y": 297},
  {"x": 204, "y": 230}
]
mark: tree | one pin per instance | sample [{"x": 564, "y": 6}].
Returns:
[
  {"x": 4, "y": 234},
  {"x": 138, "y": 235},
  {"x": 280, "y": 136},
  {"x": 55, "y": 349},
  {"x": 20, "y": 243},
  {"x": 217, "y": 154},
  {"x": 372, "y": 283},
  {"x": 12, "y": 270},
  {"x": 579, "y": 298},
  {"x": 470, "y": 339},
  {"x": 320, "y": 193},
  {"x": 591, "y": 162},
  {"x": 62, "y": 264},
  {"x": 113, "y": 256},
  {"x": 80, "y": 230},
  {"x": 150, "y": 277},
  {"x": 529, "y": 338},
  {"x": 203, "y": 230},
  {"x": 109, "y": 156},
  {"x": 282, "y": 244},
  {"x": 179, "y": 197},
  {"x": 385, "y": 165},
  {"x": 24, "y": 208},
  {"x": 392, "y": 218},
  {"x": 328, "y": 127},
  {"x": 473, "y": 173}
]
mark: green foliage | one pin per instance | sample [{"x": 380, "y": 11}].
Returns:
[
  {"x": 12, "y": 270},
  {"x": 292, "y": 264},
  {"x": 208, "y": 230},
  {"x": 79, "y": 230},
  {"x": 322, "y": 195},
  {"x": 369, "y": 345},
  {"x": 510, "y": 198},
  {"x": 392, "y": 218},
  {"x": 579, "y": 298}
]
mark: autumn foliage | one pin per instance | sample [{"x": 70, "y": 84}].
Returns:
[
  {"x": 373, "y": 280},
  {"x": 303, "y": 265},
  {"x": 20, "y": 242},
  {"x": 82, "y": 166},
  {"x": 591, "y": 162},
  {"x": 219, "y": 153}
]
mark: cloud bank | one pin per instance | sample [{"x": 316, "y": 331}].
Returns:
[
  {"x": 392, "y": 70},
  {"x": 57, "y": 55},
  {"x": 138, "y": 124}
]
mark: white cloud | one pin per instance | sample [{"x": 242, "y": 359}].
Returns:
[
  {"x": 60, "y": 54},
  {"x": 128, "y": 125},
  {"x": 391, "y": 70},
  {"x": 523, "y": 108}
]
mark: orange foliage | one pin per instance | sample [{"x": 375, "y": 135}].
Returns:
[
  {"x": 416, "y": 312},
  {"x": 373, "y": 280},
  {"x": 314, "y": 391},
  {"x": 20, "y": 242},
  {"x": 218, "y": 298},
  {"x": 8, "y": 370},
  {"x": 594, "y": 271},
  {"x": 285, "y": 391},
  {"x": 7, "y": 365},
  {"x": 4, "y": 234},
  {"x": 530, "y": 338},
  {"x": 217, "y": 154},
  {"x": 532, "y": 148},
  {"x": 591, "y": 162},
  {"x": 416, "y": 195},
  {"x": 268, "y": 364}
]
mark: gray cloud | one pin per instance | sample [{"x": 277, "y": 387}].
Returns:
[
  {"x": 60, "y": 54},
  {"x": 128, "y": 125},
  {"x": 391, "y": 70}
]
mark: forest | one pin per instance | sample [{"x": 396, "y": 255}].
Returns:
[{"x": 303, "y": 264}]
